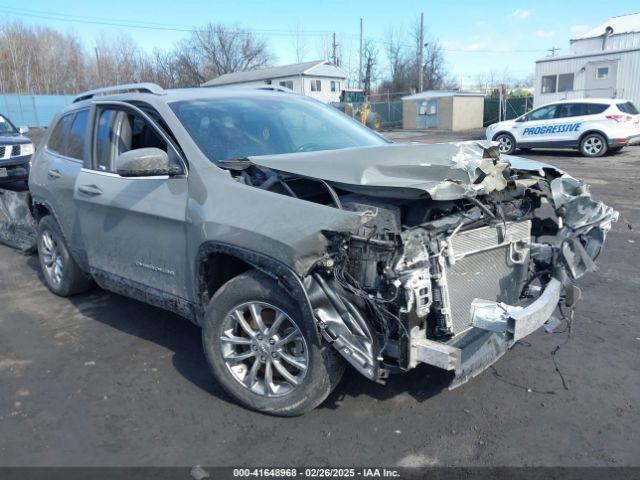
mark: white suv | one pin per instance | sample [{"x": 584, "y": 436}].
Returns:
[{"x": 593, "y": 125}]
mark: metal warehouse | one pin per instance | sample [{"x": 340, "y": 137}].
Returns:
[
  {"x": 443, "y": 109},
  {"x": 604, "y": 62}
]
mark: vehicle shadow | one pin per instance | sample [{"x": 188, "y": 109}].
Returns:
[
  {"x": 421, "y": 383},
  {"x": 183, "y": 339},
  {"x": 546, "y": 153}
]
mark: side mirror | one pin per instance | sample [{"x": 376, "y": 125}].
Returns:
[
  {"x": 145, "y": 162},
  {"x": 523, "y": 118},
  {"x": 23, "y": 130}
]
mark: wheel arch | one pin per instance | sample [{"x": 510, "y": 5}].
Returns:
[
  {"x": 39, "y": 209},
  {"x": 217, "y": 263},
  {"x": 590, "y": 131},
  {"x": 503, "y": 132}
]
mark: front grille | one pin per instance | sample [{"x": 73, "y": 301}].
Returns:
[
  {"x": 2, "y": 151},
  {"x": 15, "y": 150},
  {"x": 483, "y": 267}
]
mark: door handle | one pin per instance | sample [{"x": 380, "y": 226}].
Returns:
[
  {"x": 90, "y": 190},
  {"x": 54, "y": 173}
]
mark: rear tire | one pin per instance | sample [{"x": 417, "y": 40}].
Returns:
[
  {"x": 251, "y": 358},
  {"x": 62, "y": 275},
  {"x": 593, "y": 145},
  {"x": 506, "y": 143}
]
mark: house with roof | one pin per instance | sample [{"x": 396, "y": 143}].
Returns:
[
  {"x": 604, "y": 62},
  {"x": 319, "y": 79}
]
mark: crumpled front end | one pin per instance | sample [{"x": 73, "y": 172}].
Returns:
[
  {"x": 459, "y": 289},
  {"x": 460, "y": 252}
]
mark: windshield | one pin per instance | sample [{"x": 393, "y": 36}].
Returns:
[
  {"x": 5, "y": 126},
  {"x": 239, "y": 127}
]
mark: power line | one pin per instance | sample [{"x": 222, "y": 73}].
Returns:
[
  {"x": 141, "y": 25},
  {"x": 187, "y": 29}
]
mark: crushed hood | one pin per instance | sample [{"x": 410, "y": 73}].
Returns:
[{"x": 442, "y": 171}]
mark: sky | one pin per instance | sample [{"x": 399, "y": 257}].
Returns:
[{"x": 477, "y": 36}]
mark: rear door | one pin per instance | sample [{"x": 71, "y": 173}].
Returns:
[
  {"x": 134, "y": 227},
  {"x": 573, "y": 119},
  {"x": 59, "y": 165}
]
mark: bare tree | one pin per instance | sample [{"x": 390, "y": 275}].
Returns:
[
  {"x": 42, "y": 60},
  {"x": 370, "y": 62},
  {"x": 219, "y": 49},
  {"x": 299, "y": 42}
]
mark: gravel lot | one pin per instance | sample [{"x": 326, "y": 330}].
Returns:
[{"x": 103, "y": 380}]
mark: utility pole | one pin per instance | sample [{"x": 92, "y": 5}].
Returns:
[
  {"x": 421, "y": 53},
  {"x": 360, "y": 67},
  {"x": 335, "y": 49},
  {"x": 553, "y": 51}
]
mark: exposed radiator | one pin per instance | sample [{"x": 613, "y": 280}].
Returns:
[{"x": 488, "y": 263}]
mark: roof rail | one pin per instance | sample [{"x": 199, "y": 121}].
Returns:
[
  {"x": 276, "y": 88},
  {"x": 131, "y": 87}
]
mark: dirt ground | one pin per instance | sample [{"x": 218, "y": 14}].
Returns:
[{"x": 99, "y": 379}]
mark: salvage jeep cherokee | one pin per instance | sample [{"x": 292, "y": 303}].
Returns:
[{"x": 298, "y": 239}]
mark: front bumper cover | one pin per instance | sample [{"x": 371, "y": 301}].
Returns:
[
  {"x": 15, "y": 169},
  {"x": 496, "y": 327}
]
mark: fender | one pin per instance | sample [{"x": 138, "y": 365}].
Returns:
[
  {"x": 79, "y": 256},
  {"x": 266, "y": 264}
]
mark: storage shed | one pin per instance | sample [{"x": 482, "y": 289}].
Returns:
[{"x": 443, "y": 109}]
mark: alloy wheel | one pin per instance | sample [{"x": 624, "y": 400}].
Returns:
[
  {"x": 504, "y": 143},
  {"x": 263, "y": 349},
  {"x": 593, "y": 145},
  {"x": 52, "y": 258}
]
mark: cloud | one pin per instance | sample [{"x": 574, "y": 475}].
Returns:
[
  {"x": 472, "y": 47},
  {"x": 544, "y": 33},
  {"x": 446, "y": 44},
  {"x": 579, "y": 28},
  {"x": 520, "y": 13}
]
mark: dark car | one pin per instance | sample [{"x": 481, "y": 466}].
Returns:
[{"x": 15, "y": 152}]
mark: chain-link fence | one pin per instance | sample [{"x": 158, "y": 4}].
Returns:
[
  {"x": 496, "y": 109},
  {"x": 390, "y": 113},
  {"x": 26, "y": 110}
]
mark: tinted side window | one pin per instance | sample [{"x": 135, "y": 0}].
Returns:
[
  {"x": 628, "y": 107},
  {"x": 571, "y": 110},
  {"x": 595, "y": 108},
  {"x": 58, "y": 137},
  {"x": 119, "y": 131},
  {"x": 543, "y": 113},
  {"x": 76, "y": 137}
]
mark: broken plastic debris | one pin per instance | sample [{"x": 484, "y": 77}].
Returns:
[
  {"x": 551, "y": 325},
  {"x": 199, "y": 473}
]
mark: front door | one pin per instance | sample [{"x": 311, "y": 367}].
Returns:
[
  {"x": 537, "y": 127},
  {"x": 134, "y": 227}
]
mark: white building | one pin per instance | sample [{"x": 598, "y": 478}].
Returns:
[
  {"x": 320, "y": 79},
  {"x": 604, "y": 62}
]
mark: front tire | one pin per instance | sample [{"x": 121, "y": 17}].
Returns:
[
  {"x": 593, "y": 145},
  {"x": 262, "y": 352},
  {"x": 62, "y": 275},
  {"x": 506, "y": 143}
]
